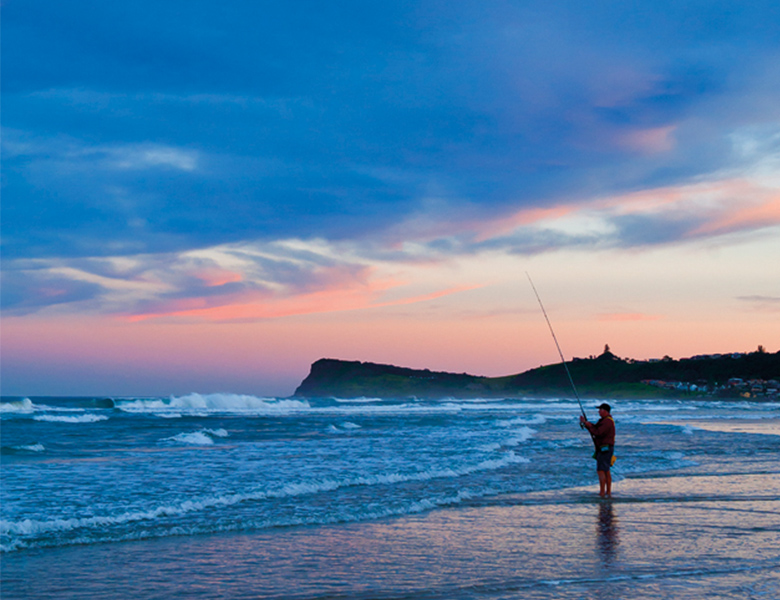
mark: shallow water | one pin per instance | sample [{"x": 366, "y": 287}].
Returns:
[{"x": 239, "y": 497}]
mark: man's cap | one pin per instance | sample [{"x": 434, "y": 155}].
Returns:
[{"x": 606, "y": 407}]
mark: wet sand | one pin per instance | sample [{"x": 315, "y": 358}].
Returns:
[
  {"x": 768, "y": 427},
  {"x": 666, "y": 536}
]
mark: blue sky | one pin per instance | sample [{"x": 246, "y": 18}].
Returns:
[{"x": 250, "y": 158}]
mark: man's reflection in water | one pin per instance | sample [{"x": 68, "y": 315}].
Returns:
[{"x": 608, "y": 533}]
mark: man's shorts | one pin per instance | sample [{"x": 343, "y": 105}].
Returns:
[{"x": 604, "y": 458}]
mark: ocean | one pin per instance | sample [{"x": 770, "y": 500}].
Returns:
[{"x": 236, "y": 496}]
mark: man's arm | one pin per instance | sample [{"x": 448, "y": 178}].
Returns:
[{"x": 587, "y": 425}]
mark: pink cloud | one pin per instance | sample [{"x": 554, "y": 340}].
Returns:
[
  {"x": 529, "y": 216},
  {"x": 263, "y": 307},
  {"x": 714, "y": 208},
  {"x": 741, "y": 216},
  {"x": 722, "y": 206},
  {"x": 649, "y": 141},
  {"x": 335, "y": 295},
  {"x": 216, "y": 277}
]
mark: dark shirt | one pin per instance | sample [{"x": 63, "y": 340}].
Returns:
[{"x": 603, "y": 432}]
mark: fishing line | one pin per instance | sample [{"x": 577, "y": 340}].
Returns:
[{"x": 557, "y": 345}]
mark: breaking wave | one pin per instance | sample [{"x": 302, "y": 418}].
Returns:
[
  {"x": 88, "y": 418},
  {"x": 19, "y": 534},
  {"x": 24, "y": 405},
  {"x": 212, "y": 403},
  {"x": 204, "y": 437}
]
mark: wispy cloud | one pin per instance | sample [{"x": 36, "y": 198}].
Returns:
[
  {"x": 653, "y": 217},
  {"x": 253, "y": 307},
  {"x": 64, "y": 152},
  {"x": 762, "y": 303},
  {"x": 27, "y": 292},
  {"x": 150, "y": 156},
  {"x": 260, "y": 280},
  {"x": 226, "y": 283}
]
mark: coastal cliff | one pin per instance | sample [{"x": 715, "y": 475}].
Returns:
[
  {"x": 353, "y": 379},
  {"x": 753, "y": 374}
]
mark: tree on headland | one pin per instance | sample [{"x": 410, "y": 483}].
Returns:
[{"x": 607, "y": 354}]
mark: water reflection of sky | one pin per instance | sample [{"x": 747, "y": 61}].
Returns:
[
  {"x": 608, "y": 534},
  {"x": 766, "y": 427},
  {"x": 689, "y": 535}
]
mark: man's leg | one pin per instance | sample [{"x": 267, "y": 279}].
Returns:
[{"x": 602, "y": 483}]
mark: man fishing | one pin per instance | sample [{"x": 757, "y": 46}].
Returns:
[{"x": 603, "y": 434}]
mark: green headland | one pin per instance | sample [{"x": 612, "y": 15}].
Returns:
[{"x": 749, "y": 375}]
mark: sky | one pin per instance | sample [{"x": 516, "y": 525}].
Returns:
[{"x": 208, "y": 197}]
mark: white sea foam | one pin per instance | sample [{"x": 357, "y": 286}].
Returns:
[
  {"x": 26, "y": 406},
  {"x": 489, "y": 447},
  {"x": 204, "y": 437},
  {"x": 410, "y": 408},
  {"x": 547, "y": 405},
  {"x": 205, "y": 404},
  {"x": 17, "y": 406},
  {"x": 475, "y": 400},
  {"x": 362, "y": 400},
  {"x": 484, "y": 404},
  {"x": 520, "y": 436},
  {"x": 87, "y": 418},
  {"x": 534, "y": 420},
  {"x": 569, "y": 443},
  {"x": 197, "y": 438},
  {"x": 447, "y": 406},
  {"x": 33, "y": 527},
  {"x": 48, "y": 408},
  {"x": 387, "y": 409},
  {"x": 431, "y": 503},
  {"x": 343, "y": 428},
  {"x": 31, "y": 448}
]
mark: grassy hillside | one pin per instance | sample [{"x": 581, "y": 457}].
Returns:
[{"x": 605, "y": 376}]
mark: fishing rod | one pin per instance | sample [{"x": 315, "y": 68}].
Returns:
[{"x": 557, "y": 345}]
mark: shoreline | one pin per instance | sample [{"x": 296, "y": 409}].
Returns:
[{"x": 662, "y": 535}]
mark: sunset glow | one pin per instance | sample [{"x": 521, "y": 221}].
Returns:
[{"x": 375, "y": 187}]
